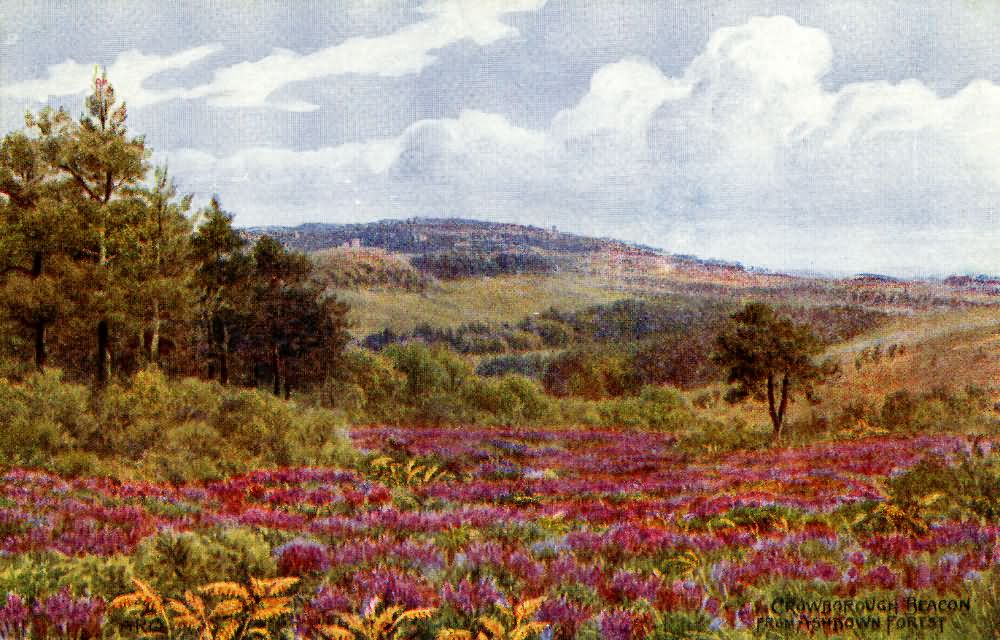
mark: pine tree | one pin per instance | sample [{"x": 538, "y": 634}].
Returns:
[
  {"x": 221, "y": 279},
  {"x": 163, "y": 266},
  {"x": 32, "y": 243},
  {"x": 296, "y": 331},
  {"x": 102, "y": 166}
]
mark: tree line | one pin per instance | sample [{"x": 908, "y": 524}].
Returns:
[{"x": 105, "y": 270}]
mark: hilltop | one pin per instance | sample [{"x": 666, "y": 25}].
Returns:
[
  {"x": 426, "y": 235},
  {"x": 457, "y": 248}
]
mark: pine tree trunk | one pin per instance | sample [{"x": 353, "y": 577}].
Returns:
[
  {"x": 783, "y": 405},
  {"x": 40, "y": 325},
  {"x": 40, "y": 352},
  {"x": 103, "y": 372},
  {"x": 775, "y": 417},
  {"x": 275, "y": 371},
  {"x": 224, "y": 356},
  {"x": 154, "y": 340},
  {"x": 210, "y": 336}
]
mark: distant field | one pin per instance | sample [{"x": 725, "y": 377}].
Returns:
[
  {"x": 923, "y": 327},
  {"x": 451, "y": 303},
  {"x": 941, "y": 350}
]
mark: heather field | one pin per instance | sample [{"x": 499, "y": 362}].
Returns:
[{"x": 580, "y": 533}]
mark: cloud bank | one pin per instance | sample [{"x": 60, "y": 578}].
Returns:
[{"x": 745, "y": 155}]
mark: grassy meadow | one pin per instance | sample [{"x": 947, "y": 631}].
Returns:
[{"x": 491, "y": 300}]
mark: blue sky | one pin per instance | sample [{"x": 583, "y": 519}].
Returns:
[{"x": 836, "y": 137}]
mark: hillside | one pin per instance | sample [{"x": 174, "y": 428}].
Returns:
[
  {"x": 431, "y": 235},
  {"x": 398, "y": 274},
  {"x": 628, "y": 265}
]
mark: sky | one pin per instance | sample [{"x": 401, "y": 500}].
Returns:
[{"x": 832, "y": 137}]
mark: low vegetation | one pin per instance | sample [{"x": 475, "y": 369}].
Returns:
[
  {"x": 357, "y": 268},
  {"x": 158, "y": 428},
  {"x": 568, "y": 533}
]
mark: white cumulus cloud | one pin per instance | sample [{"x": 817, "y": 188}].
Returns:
[
  {"x": 406, "y": 51},
  {"x": 745, "y": 155},
  {"x": 128, "y": 73}
]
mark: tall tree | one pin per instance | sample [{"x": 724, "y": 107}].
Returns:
[
  {"x": 31, "y": 222},
  {"x": 103, "y": 165},
  {"x": 277, "y": 273},
  {"x": 163, "y": 267},
  {"x": 221, "y": 279},
  {"x": 297, "y": 331},
  {"x": 767, "y": 356}
]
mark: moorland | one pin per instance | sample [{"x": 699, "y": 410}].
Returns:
[{"x": 447, "y": 428}]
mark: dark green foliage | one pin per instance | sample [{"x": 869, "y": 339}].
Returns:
[
  {"x": 634, "y": 319},
  {"x": 471, "y": 338},
  {"x": 553, "y": 332},
  {"x": 590, "y": 373},
  {"x": 898, "y": 410},
  {"x": 293, "y": 330},
  {"x": 680, "y": 361},
  {"x": 454, "y": 265},
  {"x": 530, "y": 365},
  {"x": 101, "y": 166},
  {"x": 222, "y": 281},
  {"x": 969, "y": 487},
  {"x": 767, "y": 356},
  {"x": 102, "y": 274},
  {"x": 430, "y": 235}
]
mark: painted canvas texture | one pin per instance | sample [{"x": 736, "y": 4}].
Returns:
[{"x": 499, "y": 320}]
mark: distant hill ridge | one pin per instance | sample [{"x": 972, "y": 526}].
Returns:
[
  {"x": 427, "y": 236},
  {"x": 431, "y": 235}
]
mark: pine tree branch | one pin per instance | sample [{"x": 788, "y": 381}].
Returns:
[{"x": 80, "y": 181}]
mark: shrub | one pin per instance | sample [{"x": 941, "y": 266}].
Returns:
[
  {"x": 553, "y": 333},
  {"x": 43, "y": 417},
  {"x": 174, "y": 562},
  {"x": 589, "y": 374},
  {"x": 936, "y": 410},
  {"x": 530, "y": 365},
  {"x": 523, "y": 341},
  {"x": 970, "y": 487},
  {"x": 658, "y": 408},
  {"x": 521, "y": 401},
  {"x": 175, "y": 430},
  {"x": 33, "y": 576},
  {"x": 365, "y": 384},
  {"x": 898, "y": 409},
  {"x": 424, "y": 373}
]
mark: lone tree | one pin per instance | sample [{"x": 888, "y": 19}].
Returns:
[{"x": 765, "y": 355}]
